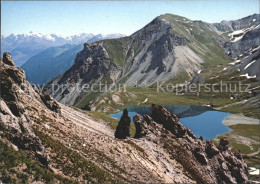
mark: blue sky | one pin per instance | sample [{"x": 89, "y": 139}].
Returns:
[{"x": 126, "y": 17}]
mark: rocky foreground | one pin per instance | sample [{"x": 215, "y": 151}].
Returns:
[
  {"x": 205, "y": 162},
  {"x": 72, "y": 147}
]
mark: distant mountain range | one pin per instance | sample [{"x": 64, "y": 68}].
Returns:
[
  {"x": 50, "y": 63},
  {"x": 24, "y": 46}
]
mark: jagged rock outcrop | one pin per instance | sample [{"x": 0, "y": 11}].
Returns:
[
  {"x": 15, "y": 123},
  {"x": 138, "y": 121},
  {"x": 18, "y": 130},
  {"x": 211, "y": 149},
  {"x": 234, "y": 25},
  {"x": 203, "y": 160},
  {"x": 169, "y": 121},
  {"x": 224, "y": 144},
  {"x": 123, "y": 127},
  {"x": 92, "y": 66},
  {"x": 50, "y": 103},
  {"x": 7, "y": 59}
]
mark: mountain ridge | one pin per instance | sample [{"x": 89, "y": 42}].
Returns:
[{"x": 164, "y": 49}]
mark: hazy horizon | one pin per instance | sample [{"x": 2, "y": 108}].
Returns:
[{"x": 68, "y": 18}]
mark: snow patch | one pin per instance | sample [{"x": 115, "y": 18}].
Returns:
[
  {"x": 214, "y": 77},
  {"x": 235, "y": 33},
  {"x": 235, "y": 62},
  {"x": 49, "y": 37},
  {"x": 247, "y": 76},
  {"x": 255, "y": 49},
  {"x": 143, "y": 101},
  {"x": 253, "y": 171},
  {"x": 237, "y": 38},
  {"x": 249, "y": 64},
  {"x": 238, "y": 35}
]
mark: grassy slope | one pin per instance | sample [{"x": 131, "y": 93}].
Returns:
[
  {"x": 19, "y": 167},
  {"x": 12, "y": 160},
  {"x": 165, "y": 98},
  {"x": 231, "y": 77},
  {"x": 203, "y": 39},
  {"x": 116, "y": 49},
  {"x": 74, "y": 165}
]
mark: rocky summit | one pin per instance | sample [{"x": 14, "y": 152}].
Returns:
[
  {"x": 203, "y": 160},
  {"x": 170, "y": 48}
]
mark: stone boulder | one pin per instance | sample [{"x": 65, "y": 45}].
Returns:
[
  {"x": 140, "y": 131},
  {"x": 123, "y": 127},
  {"x": 7, "y": 59},
  {"x": 50, "y": 103},
  {"x": 211, "y": 149},
  {"x": 224, "y": 143},
  {"x": 200, "y": 156},
  {"x": 169, "y": 121}
]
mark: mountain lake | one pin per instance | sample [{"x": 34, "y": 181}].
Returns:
[{"x": 203, "y": 121}]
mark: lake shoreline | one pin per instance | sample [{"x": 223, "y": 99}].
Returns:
[
  {"x": 202, "y": 121},
  {"x": 235, "y": 119}
]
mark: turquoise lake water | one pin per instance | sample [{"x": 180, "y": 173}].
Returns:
[{"x": 203, "y": 121}]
